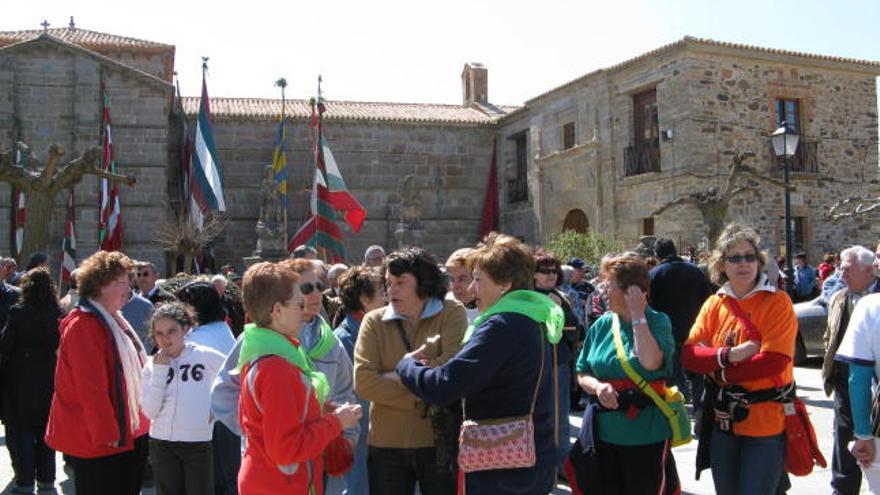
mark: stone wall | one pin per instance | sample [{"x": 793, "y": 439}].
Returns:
[
  {"x": 54, "y": 92},
  {"x": 450, "y": 165}
]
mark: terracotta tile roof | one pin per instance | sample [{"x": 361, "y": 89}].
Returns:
[
  {"x": 690, "y": 41},
  {"x": 259, "y": 109},
  {"x": 85, "y": 38}
]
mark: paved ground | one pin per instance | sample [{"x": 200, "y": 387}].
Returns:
[{"x": 809, "y": 386}]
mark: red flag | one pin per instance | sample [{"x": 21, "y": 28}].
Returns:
[{"x": 489, "y": 221}]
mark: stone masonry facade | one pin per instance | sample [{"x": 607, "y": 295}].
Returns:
[
  {"x": 713, "y": 100},
  {"x": 570, "y": 153}
]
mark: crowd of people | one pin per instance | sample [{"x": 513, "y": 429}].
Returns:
[{"x": 402, "y": 373}]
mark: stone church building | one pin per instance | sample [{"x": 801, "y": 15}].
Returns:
[{"x": 600, "y": 153}]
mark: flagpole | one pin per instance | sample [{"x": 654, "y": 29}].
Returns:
[{"x": 282, "y": 83}]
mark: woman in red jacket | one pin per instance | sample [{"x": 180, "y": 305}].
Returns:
[
  {"x": 282, "y": 402},
  {"x": 96, "y": 415}
]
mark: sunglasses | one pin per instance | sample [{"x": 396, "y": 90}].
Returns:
[
  {"x": 546, "y": 271},
  {"x": 308, "y": 287},
  {"x": 739, "y": 258}
]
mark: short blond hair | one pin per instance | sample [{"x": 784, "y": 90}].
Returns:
[
  {"x": 732, "y": 235},
  {"x": 458, "y": 259}
]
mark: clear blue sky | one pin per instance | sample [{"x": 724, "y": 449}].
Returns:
[{"x": 404, "y": 50}]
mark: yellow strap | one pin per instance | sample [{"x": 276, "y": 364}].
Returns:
[{"x": 637, "y": 379}]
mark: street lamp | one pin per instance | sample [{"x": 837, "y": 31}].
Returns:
[{"x": 785, "y": 143}]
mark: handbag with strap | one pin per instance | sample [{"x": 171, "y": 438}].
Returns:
[
  {"x": 671, "y": 404},
  {"x": 503, "y": 443}
]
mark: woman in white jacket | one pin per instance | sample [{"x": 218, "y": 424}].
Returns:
[{"x": 176, "y": 398}]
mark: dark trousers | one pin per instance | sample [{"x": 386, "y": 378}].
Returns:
[
  {"x": 396, "y": 471},
  {"x": 118, "y": 474},
  {"x": 182, "y": 467},
  {"x": 227, "y": 460},
  {"x": 846, "y": 476},
  {"x": 636, "y": 469},
  {"x": 33, "y": 460}
]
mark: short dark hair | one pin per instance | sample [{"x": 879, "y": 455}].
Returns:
[
  {"x": 355, "y": 282},
  {"x": 204, "y": 299},
  {"x": 36, "y": 259},
  {"x": 665, "y": 248},
  {"x": 423, "y": 266}
]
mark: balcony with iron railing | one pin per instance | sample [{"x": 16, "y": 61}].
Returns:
[
  {"x": 806, "y": 158},
  {"x": 642, "y": 157}
]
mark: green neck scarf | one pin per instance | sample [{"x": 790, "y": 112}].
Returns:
[
  {"x": 529, "y": 303},
  {"x": 326, "y": 340},
  {"x": 258, "y": 342}
]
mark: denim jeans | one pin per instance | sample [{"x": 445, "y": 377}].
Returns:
[
  {"x": 746, "y": 465},
  {"x": 524, "y": 481},
  {"x": 356, "y": 482},
  {"x": 396, "y": 471}
]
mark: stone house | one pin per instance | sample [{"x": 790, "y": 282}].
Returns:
[
  {"x": 599, "y": 153},
  {"x": 604, "y": 151}
]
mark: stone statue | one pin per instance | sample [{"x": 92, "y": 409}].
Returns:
[
  {"x": 41, "y": 187},
  {"x": 409, "y": 230},
  {"x": 271, "y": 226}
]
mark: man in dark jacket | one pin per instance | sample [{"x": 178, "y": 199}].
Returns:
[{"x": 679, "y": 288}]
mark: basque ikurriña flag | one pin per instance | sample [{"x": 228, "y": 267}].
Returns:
[
  {"x": 330, "y": 197},
  {"x": 109, "y": 214},
  {"x": 206, "y": 175},
  {"x": 68, "y": 244}
]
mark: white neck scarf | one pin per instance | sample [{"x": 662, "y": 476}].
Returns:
[{"x": 131, "y": 353}]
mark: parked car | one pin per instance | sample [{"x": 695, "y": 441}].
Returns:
[{"x": 812, "y": 319}]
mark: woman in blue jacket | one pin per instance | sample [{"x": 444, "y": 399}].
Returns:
[{"x": 500, "y": 364}]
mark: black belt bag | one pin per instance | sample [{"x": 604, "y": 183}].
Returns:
[{"x": 732, "y": 402}]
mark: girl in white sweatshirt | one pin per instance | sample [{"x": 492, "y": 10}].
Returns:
[{"x": 176, "y": 397}]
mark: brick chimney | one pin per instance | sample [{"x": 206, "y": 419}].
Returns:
[{"x": 475, "y": 83}]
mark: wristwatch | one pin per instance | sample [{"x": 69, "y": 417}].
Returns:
[{"x": 638, "y": 322}]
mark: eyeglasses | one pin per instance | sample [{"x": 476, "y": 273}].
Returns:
[
  {"x": 739, "y": 258},
  {"x": 546, "y": 271},
  {"x": 308, "y": 287},
  {"x": 143, "y": 274}
]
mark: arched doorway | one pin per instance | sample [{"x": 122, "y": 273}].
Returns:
[{"x": 576, "y": 220}]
